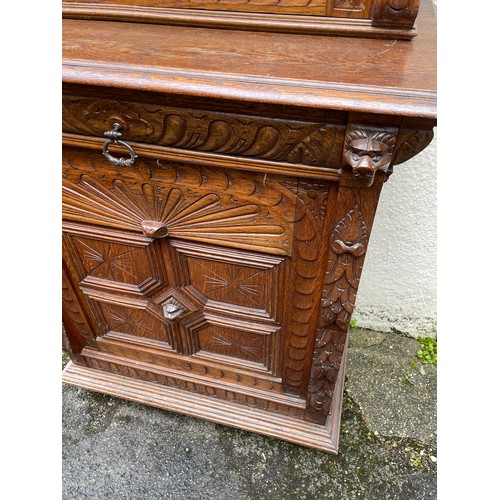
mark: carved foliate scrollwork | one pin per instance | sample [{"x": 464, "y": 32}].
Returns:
[
  {"x": 290, "y": 141},
  {"x": 348, "y": 244},
  {"x": 410, "y": 143}
]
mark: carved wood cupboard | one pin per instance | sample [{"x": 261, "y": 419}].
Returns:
[{"x": 219, "y": 188}]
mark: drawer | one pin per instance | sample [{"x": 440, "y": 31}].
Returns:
[{"x": 297, "y": 142}]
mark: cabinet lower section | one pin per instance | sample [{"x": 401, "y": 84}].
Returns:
[
  {"x": 222, "y": 293},
  {"x": 254, "y": 419}
]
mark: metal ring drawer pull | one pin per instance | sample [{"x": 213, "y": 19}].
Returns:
[{"x": 114, "y": 136}]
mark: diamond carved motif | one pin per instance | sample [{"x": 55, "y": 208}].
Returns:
[
  {"x": 112, "y": 261},
  {"x": 234, "y": 284},
  {"x": 137, "y": 322},
  {"x": 233, "y": 343}
]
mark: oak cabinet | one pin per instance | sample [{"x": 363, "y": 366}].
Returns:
[{"x": 213, "y": 235}]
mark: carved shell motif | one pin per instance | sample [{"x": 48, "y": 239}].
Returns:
[{"x": 157, "y": 213}]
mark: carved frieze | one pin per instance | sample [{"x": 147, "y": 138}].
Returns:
[
  {"x": 174, "y": 380},
  {"x": 291, "y": 141}
]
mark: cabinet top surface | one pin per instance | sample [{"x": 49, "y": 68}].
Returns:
[{"x": 354, "y": 74}]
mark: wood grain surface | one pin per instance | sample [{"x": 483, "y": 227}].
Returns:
[
  {"x": 380, "y": 76},
  {"x": 216, "y": 275},
  {"x": 358, "y": 18}
]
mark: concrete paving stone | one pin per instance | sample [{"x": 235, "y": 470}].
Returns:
[
  {"x": 377, "y": 363},
  {"x": 115, "y": 449}
]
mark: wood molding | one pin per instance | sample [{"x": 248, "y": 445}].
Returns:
[
  {"x": 345, "y": 25},
  {"x": 154, "y": 152},
  {"x": 271, "y": 90},
  {"x": 204, "y": 407}
]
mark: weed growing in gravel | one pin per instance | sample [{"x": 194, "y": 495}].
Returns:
[
  {"x": 427, "y": 354},
  {"x": 428, "y": 350}
]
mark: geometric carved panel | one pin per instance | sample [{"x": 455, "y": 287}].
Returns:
[
  {"x": 233, "y": 343},
  {"x": 113, "y": 261},
  {"x": 137, "y": 322},
  {"x": 229, "y": 283},
  {"x": 235, "y": 282}
]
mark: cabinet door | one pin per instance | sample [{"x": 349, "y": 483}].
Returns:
[{"x": 201, "y": 278}]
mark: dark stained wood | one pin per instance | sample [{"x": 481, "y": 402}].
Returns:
[
  {"x": 308, "y": 7},
  {"x": 217, "y": 274},
  {"x": 401, "y": 13}
]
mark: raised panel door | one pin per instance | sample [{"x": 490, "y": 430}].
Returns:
[{"x": 186, "y": 273}]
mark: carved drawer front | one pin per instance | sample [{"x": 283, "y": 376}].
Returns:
[
  {"x": 184, "y": 273},
  {"x": 311, "y": 138}
]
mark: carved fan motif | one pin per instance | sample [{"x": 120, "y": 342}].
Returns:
[{"x": 158, "y": 212}]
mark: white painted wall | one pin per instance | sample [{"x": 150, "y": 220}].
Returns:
[
  {"x": 398, "y": 286},
  {"x": 398, "y": 289}
]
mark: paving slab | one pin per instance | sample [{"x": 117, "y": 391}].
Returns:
[
  {"x": 396, "y": 392},
  {"x": 115, "y": 449}
]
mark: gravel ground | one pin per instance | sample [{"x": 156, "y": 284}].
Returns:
[{"x": 115, "y": 449}]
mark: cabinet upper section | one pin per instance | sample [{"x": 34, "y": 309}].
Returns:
[
  {"x": 337, "y": 73},
  {"x": 372, "y": 18}
]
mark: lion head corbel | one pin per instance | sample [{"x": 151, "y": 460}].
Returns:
[{"x": 368, "y": 151}]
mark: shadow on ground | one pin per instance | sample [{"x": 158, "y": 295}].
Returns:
[{"x": 114, "y": 449}]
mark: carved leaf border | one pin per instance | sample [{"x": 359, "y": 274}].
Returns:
[{"x": 348, "y": 244}]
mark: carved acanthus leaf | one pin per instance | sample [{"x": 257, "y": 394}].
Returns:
[
  {"x": 348, "y": 244},
  {"x": 289, "y": 141},
  {"x": 410, "y": 143}
]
